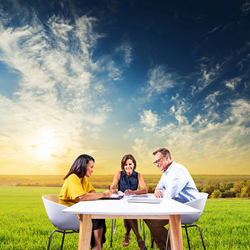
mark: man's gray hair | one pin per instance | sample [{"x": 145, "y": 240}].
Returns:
[{"x": 164, "y": 152}]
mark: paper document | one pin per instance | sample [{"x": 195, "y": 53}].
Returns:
[{"x": 120, "y": 193}]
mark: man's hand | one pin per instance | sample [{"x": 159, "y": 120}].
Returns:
[
  {"x": 107, "y": 193},
  {"x": 158, "y": 193}
]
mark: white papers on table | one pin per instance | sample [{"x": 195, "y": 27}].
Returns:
[{"x": 120, "y": 193}]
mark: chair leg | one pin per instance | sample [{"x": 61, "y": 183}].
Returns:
[
  {"x": 167, "y": 241},
  {"x": 187, "y": 237},
  {"x": 201, "y": 237},
  {"x": 112, "y": 228},
  {"x": 63, "y": 232},
  {"x": 144, "y": 232},
  {"x": 62, "y": 240},
  {"x": 186, "y": 226},
  {"x": 50, "y": 238}
]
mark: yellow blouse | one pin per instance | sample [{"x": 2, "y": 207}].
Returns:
[{"x": 73, "y": 188}]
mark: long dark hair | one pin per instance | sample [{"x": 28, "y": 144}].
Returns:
[
  {"x": 79, "y": 167},
  {"x": 125, "y": 158}
]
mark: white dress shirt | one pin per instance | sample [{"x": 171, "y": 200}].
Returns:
[{"x": 178, "y": 184}]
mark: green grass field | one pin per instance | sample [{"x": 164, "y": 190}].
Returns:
[{"x": 24, "y": 223}]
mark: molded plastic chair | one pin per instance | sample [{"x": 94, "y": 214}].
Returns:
[
  {"x": 64, "y": 222},
  {"x": 189, "y": 219}
]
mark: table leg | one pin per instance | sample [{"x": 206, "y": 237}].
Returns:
[
  {"x": 85, "y": 232},
  {"x": 175, "y": 232}
]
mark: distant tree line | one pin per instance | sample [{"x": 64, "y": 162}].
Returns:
[
  {"x": 220, "y": 189},
  {"x": 239, "y": 189}
]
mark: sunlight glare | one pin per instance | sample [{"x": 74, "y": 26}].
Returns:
[
  {"x": 47, "y": 133},
  {"x": 46, "y": 145}
]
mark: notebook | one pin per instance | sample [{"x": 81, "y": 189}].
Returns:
[{"x": 144, "y": 199}]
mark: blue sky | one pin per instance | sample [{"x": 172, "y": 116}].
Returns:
[{"x": 108, "y": 78}]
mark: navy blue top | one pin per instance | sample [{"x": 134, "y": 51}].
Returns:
[{"x": 126, "y": 182}]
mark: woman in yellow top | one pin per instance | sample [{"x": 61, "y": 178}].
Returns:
[{"x": 77, "y": 188}]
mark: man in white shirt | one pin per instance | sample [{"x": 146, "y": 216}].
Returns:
[{"x": 176, "y": 183}]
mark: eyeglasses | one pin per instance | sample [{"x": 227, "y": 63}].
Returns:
[{"x": 158, "y": 161}]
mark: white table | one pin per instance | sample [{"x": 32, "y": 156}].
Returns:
[{"x": 122, "y": 209}]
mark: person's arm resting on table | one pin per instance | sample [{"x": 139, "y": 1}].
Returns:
[
  {"x": 143, "y": 188},
  {"x": 115, "y": 182},
  {"x": 160, "y": 188},
  {"x": 74, "y": 190},
  {"x": 93, "y": 196}
]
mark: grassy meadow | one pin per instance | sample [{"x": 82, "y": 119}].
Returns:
[{"x": 24, "y": 223}]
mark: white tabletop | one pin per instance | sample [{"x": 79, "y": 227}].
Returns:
[{"x": 123, "y": 207}]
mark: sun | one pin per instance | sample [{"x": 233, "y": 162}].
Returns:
[{"x": 45, "y": 145}]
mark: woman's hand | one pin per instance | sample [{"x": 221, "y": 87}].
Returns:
[
  {"x": 129, "y": 192},
  {"x": 114, "y": 191},
  {"x": 107, "y": 193}
]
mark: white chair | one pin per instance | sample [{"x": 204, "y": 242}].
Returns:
[
  {"x": 188, "y": 220},
  {"x": 64, "y": 222}
]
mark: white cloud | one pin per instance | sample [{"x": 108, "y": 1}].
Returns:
[
  {"x": 149, "y": 119},
  {"x": 114, "y": 71},
  {"x": 175, "y": 98},
  {"x": 199, "y": 120},
  {"x": 159, "y": 81},
  {"x": 233, "y": 82},
  {"x": 211, "y": 99},
  {"x": 141, "y": 149},
  {"x": 207, "y": 137},
  {"x": 84, "y": 32},
  {"x": 241, "y": 110},
  {"x": 131, "y": 130},
  {"x": 216, "y": 28},
  {"x": 172, "y": 109},
  {"x": 181, "y": 119},
  {"x": 126, "y": 50},
  {"x": 245, "y": 7},
  {"x": 59, "y": 27},
  {"x": 125, "y": 136},
  {"x": 57, "y": 88},
  {"x": 206, "y": 77}
]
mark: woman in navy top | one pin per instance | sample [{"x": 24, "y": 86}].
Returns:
[{"x": 128, "y": 181}]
